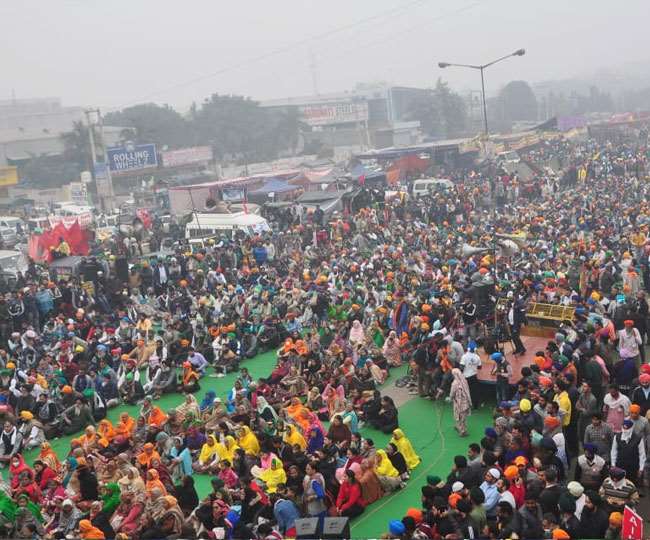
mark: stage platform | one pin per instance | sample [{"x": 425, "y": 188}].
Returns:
[{"x": 532, "y": 344}]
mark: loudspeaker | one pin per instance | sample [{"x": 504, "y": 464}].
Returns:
[
  {"x": 481, "y": 293},
  {"x": 307, "y": 528},
  {"x": 122, "y": 269},
  {"x": 336, "y": 527}
]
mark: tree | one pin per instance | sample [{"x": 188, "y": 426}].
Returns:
[
  {"x": 238, "y": 126},
  {"x": 441, "y": 112},
  {"x": 76, "y": 147},
  {"x": 151, "y": 123},
  {"x": 519, "y": 102},
  {"x": 49, "y": 171}
]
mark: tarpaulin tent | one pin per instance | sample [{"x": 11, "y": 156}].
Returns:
[
  {"x": 363, "y": 174},
  {"x": 40, "y": 245},
  {"x": 273, "y": 185},
  {"x": 277, "y": 188}
]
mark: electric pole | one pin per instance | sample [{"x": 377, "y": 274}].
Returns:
[{"x": 101, "y": 170}]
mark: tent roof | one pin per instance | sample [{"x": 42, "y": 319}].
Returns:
[
  {"x": 274, "y": 185},
  {"x": 318, "y": 196}
]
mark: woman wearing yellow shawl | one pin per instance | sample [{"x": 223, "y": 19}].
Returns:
[
  {"x": 388, "y": 475},
  {"x": 405, "y": 448},
  {"x": 226, "y": 450},
  {"x": 273, "y": 476},
  {"x": 248, "y": 441},
  {"x": 292, "y": 436},
  {"x": 209, "y": 456}
]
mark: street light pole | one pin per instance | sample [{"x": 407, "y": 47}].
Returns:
[
  {"x": 485, "y": 120},
  {"x": 481, "y": 68}
]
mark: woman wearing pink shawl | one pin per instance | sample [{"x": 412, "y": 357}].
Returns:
[
  {"x": 392, "y": 350},
  {"x": 357, "y": 334},
  {"x": 334, "y": 399},
  {"x": 461, "y": 401},
  {"x": 353, "y": 462}
]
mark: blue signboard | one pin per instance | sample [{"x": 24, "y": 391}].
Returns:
[{"x": 141, "y": 156}]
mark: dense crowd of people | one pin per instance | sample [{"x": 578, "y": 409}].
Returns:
[{"x": 343, "y": 302}]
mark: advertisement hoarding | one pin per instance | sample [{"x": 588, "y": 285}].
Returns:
[
  {"x": 334, "y": 113},
  {"x": 186, "y": 156},
  {"x": 8, "y": 176},
  {"x": 78, "y": 193},
  {"x": 126, "y": 159}
]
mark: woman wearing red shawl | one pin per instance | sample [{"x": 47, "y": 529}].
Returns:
[
  {"x": 280, "y": 371},
  {"x": 27, "y": 486},
  {"x": 127, "y": 516},
  {"x": 17, "y": 466},
  {"x": 347, "y": 369},
  {"x": 43, "y": 474},
  {"x": 53, "y": 492}
]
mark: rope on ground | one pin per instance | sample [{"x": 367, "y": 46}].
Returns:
[{"x": 425, "y": 471}]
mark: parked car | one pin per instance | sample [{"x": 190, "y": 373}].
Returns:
[
  {"x": 8, "y": 237},
  {"x": 424, "y": 186}
]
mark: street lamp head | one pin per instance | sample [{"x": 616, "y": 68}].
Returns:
[
  {"x": 519, "y": 52},
  {"x": 443, "y": 65}
]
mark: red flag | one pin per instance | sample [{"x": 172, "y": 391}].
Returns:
[
  {"x": 143, "y": 215},
  {"x": 632, "y": 525},
  {"x": 76, "y": 238},
  {"x": 362, "y": 180}
]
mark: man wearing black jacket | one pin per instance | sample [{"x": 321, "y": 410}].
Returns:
[
  {"x": 594, "y": 521},
  {"x": 528, "y": 519},
  {"x": 550, "y": 496},
  {"x": 460, "y": 472}
]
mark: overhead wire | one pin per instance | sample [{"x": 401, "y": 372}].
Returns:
[
  {"x": 277, "y": 51},
  {"x": 406, "y": 32}
]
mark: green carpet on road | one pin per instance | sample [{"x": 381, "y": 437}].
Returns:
[{"x": 429, "y": 426}]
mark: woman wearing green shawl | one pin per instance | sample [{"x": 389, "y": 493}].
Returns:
[
  {"x": 7, "y": 514},
  {"x": 110, "y": 498},
  {"x": 27, "y": 513}
]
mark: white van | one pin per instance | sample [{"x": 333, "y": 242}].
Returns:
[
  {"x": 11, "y": 262},
  {"x": 510, "y": 156},
  {"x": 423, "y": 186},
  {"x": 207, "y": 225},
  {"x": 11, "y": 222}
]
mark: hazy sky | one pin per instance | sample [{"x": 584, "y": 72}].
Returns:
[{"x": 121, "y": 52}]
